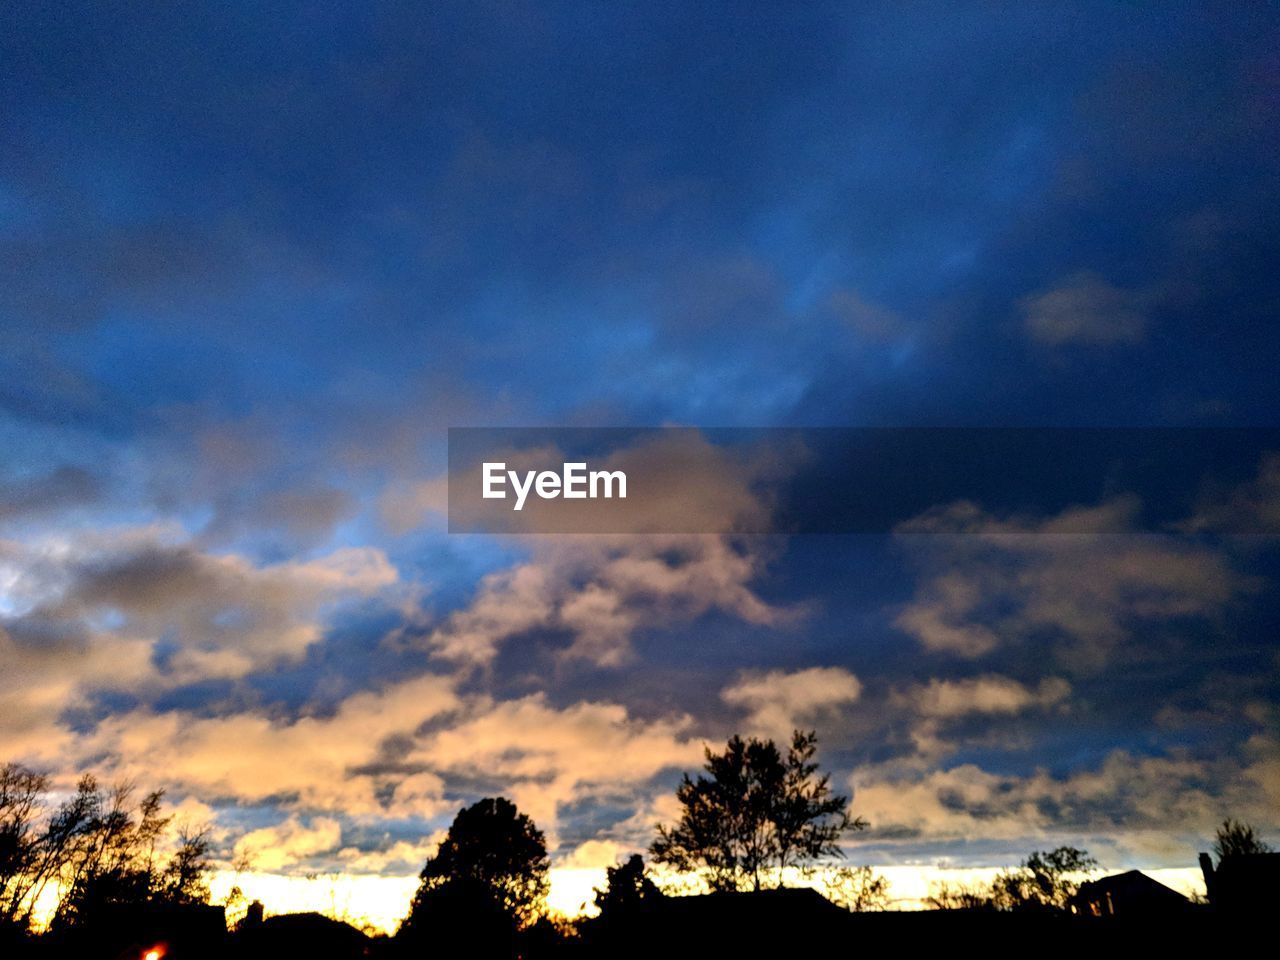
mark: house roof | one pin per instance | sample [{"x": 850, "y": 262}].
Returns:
[{"x": 1130, "y": 885}]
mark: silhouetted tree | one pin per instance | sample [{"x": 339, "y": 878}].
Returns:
[
  {"x": 184, "y": 879},
  {"x": 93, "y": 848},
  {"x": 487, "y": 880},
  {"x": 757, "y": 813},
  {"x": 626, "y": 888},
  {"x": 1042, "y": 881},
  {"x": 548, "y": 936},
  {"x": 859, "y": 889},
  {"x": 113, "y": 860},
  {"x": 21, "y": 802},
  {"x": 1235, "y": 838},
  {"x": 36, "y": 847}
]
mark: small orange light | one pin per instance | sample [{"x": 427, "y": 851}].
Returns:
[{"x": 155, "y": 953}]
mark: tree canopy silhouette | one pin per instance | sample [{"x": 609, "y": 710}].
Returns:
[
  {"x": 857, "y": 889},
  {"x": 1236, "y": 838},
  {"x": 97, "y": 850},
  {"x": 758, "y": 812},
  {"x": 490, "y": 872},
  {"x": 626, "y": 888},
  {"x": 1043, "y": 881}
]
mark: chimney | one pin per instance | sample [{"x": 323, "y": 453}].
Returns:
[{"x": 1206, "y": 868}]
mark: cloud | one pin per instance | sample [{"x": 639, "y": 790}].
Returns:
[
  {"x": 289, "y": 842},
  {"x": 1122, "y": 802},
  {"x": 777, "y": 702},
  {"x": 990, "y": 582},
  {"x": 599, "y": 591},
  {"x": 403, "y": 752},
  {"x": 594, "y": 854},
  {"x": 327, "y": 763},
  {"x": 199, "y": 615},
  {"x": 44, "y": 678},
  {"x": 1085, "y": 309},
  {"x": 1252, "y": 507},
  {"x": 938, "y": 617},
  {"x": 991, "y": 694},
  {"x": 945, "y": 715},
  {"x": 396, "y": 858},
  {"x": 548, "y": 758},
  {"x": 1158, "y": 805}
]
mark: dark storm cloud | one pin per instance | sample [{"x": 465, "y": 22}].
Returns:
[{"x": 415, "y": 179}]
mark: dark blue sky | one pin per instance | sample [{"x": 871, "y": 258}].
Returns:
[{"x": 254, "y": 262}]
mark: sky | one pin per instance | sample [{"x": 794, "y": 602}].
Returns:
[{"x": 255, "y": 260}]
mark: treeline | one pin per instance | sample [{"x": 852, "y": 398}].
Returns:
[
  {"x": 757, "y": 814},
  {"x": 1048, "y": 881},
  {"x": 757, "y": 811}
]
